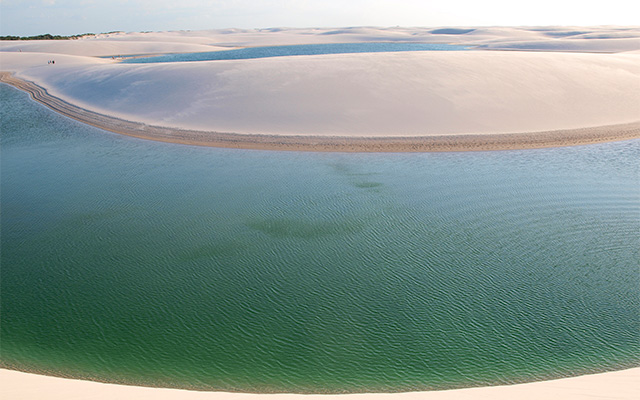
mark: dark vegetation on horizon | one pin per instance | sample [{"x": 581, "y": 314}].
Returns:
[{"x": 48, "y": 36}]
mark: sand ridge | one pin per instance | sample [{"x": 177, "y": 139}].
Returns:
[
  {"x": 77, "y": 86},
  {"x": 617, "y": 385},
  {"x": 567, "y": 137},
  {"x": 552, "y": 81}
]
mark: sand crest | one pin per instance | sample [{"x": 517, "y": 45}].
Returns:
[
  {"x": 548, "y": 89},
  {"x": 555, "y": 86},
  {"x": 619, "y": 385},
  {"x": 449, "y": 142}
]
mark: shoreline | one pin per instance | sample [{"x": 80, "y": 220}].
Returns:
[
  {"x": 611, "y": 385},
  {"x": 435, "y": 143}
]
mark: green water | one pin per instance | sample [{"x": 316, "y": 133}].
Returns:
[{"x": 147, "y": 263}]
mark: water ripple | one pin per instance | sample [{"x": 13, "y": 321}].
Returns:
[{"x": 145, "y": 263}]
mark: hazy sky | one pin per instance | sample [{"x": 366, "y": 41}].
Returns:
[{"x": 66, "y": 17}]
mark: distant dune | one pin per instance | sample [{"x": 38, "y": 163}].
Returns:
[
  {"x": 568, "y": 78},
  {"x": 524, "y": 87}
]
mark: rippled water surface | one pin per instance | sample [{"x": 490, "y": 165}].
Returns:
[
  {"x": 148, "y": 263},
  {"x": 296, "y": 50}
]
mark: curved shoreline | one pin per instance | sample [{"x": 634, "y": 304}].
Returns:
[
  {"x": 612, "y": 385},
  {"x": 438, "y": 143}
]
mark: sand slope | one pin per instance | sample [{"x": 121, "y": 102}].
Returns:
[
  {"x": 382, "y": 94},
  {"x": 482, "y": 142},
  {"x": 561, "y": 84},
  {"x": 376, "y": 94},
  {"x": 104, "y": 48},
  {"x": 620, "y": 385}
]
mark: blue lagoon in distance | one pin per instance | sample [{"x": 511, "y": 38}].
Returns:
[
  {"x": 297, "y": 50},
  {"x": 147, "y": 263}
]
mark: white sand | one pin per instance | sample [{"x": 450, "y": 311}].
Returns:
[
  {"x": 380, "y": 94},
  {"x": 619, "y": 385},
  {"x": 104, "y": 48},
  {"x": 570, "y": 81}
]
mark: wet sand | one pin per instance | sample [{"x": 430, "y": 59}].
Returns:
[{"x": 431, "y": 143}]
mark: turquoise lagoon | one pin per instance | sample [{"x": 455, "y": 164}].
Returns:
[
  {"x": 155, "y": 264},
  {"x": 297, "y": 50}
]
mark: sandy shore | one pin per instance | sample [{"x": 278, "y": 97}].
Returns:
[
  {"x": 555, "y": 86},
  {"x": 620, "y": 385},
  {"x": 448, "y": 142}
]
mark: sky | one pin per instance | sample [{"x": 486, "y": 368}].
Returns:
[{"x": 68, "y": 17}]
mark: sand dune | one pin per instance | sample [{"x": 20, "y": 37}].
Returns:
[
  {"x": 542, "y": 98},
  {"x": 103, "y": 47},
  {"x": 619, "y": 385},
  {"x": 329, "y": 143},
  {"x": 410, "y": 94},
  {"x": 471, "y": 36},
  {"x": 381, "y": 94},
  {"x": 580, "y": 44}
]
